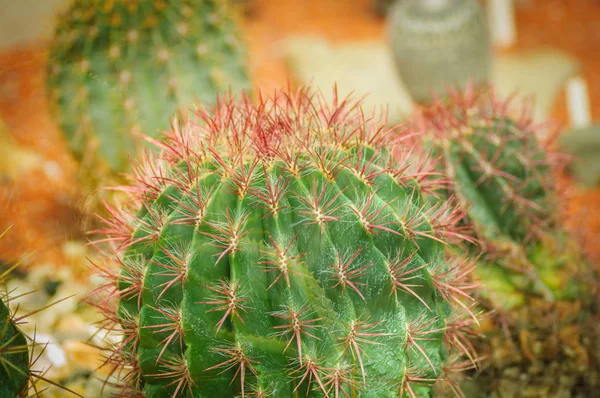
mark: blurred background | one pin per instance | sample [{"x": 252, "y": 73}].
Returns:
[{"x": 549, "y": 49}]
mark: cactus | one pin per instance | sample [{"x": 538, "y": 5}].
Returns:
[
  {"x": 279, "y": 251},
  {"x": 437, "y": 44},
  {"x": 18, "y": 378},
  {"x": 534, "y": 276},
  {"x": 121, "y": 68},
  {"x": 14, "y": 356}
]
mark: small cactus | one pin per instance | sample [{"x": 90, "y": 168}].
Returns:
[
  {"x": 534, "y": 276},
  {"x": 437, "y": 44},
  {"x": 280, "y": 251},
  {"x": 17, "y": 376},
  {"x": 122, "y": 68},
  {"x": 14, "y": 356}
]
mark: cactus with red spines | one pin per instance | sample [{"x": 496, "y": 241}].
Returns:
[
  {"x": 534, "y": 276},
  {"x": 278, "y": 249}
]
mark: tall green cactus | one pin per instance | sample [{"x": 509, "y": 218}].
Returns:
[
  {"x": 280, "y": 251},
  {"x": 437, "y": 44},
  {"x": 122, "y": 68},
  {"x": 533, "y": 275}
]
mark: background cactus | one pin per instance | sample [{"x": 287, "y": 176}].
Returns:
[
  {"x": 18, "y": 351},
  {"x": 438, "y": 43},
  {"x": 122, "y": 68},
  {"x": 279, "y": 248},
  {"x": 14, "y": 354},
  {"x": 533, "y": 275}
]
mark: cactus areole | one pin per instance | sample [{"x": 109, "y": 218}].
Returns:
[
  {"x": 280, "y": 250},
  {"x": 121, "y": 68}
]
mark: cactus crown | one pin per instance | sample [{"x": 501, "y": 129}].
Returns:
[
  {"x": 281, "y": 248},
  {"x": 122, "y": 68},
  {"x": 500, "y": 169}
]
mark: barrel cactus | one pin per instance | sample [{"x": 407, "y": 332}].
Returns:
[
  {"x": 278, "y": 250},
  {"x": 437, "y": 44},
  {"x": 14, "y": 354},
  {"x": 18, "y": 351},
  {"x": 534, "y": 276},
  {"x": 121, "y": 68}
]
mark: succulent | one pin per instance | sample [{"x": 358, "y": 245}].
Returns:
[
  {"x": 437, "y": 44},
  {"x": 17, "y": 358},
  {"x": 14, "y": 355},
  {"x": 120, "y": 69},
  {"x": 280, "y": 249},
  {"x": 534, "y": 276}
]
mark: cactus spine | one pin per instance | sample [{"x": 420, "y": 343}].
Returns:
[
  {"x": 122, "y": 68},
  {"x": 534, "y": 276},
  {"x": 438, "y": 43},
  {"x": 279, "y": 251}
]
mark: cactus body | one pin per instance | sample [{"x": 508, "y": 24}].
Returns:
[
  {"x": 437, "y": 44},
  {"x": 533, "y": 275},
  {"x": 122, "y": 68},
  {"x": 279, "y": 252},
  {"x": 14, "y": 357}
]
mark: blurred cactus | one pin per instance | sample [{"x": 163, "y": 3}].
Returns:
[
  {"x": 438, "y": 44},
  {"x": 119, "y": 69},
  {"x": 534, "y": 276},
  {"x": 280, "y": 252},
  {"x": 18, "y": 379},
  {"x": 14, "y": 354}
]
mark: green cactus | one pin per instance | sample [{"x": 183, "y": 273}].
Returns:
[
  {"x": 18, "y": 377},
  {"x": 534, "y": 276},
  {"x": 280, "y": 252},
  {"x": 437, "y": 44},
  {"x": 14, "y": 356},
  {"x": 122, "y": 68}
]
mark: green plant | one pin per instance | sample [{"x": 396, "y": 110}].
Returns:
[
  {"x": 280, "y": 250},
  {"x": 534, "y": 276},
  {"x": 119, "y": 69},
  {"x": 17, "y": 376},
  {"x": 14, "y": 355},
  {"x": 437, "y": 44}
]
